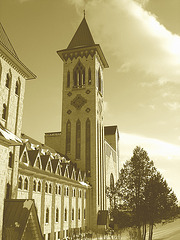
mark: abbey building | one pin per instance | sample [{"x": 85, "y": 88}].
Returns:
[{"x": 58, "y": 188}]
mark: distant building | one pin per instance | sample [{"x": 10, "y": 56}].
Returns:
[{"x": 67, "y": 176}]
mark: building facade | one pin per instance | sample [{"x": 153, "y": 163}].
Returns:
[{"x": 67, "y": 176}]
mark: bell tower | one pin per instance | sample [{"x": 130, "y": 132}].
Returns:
[{"x": 82, "y": 131}]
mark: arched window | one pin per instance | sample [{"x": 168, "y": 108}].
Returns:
[
  {"x": 57, "y": 215},
  {"x": 89, "y": 77},
  {"x": 4, "y": 112},
  {"x": 68, "y": 79},
  {"x": 68, "y": 136},
  {"x": 39, "y": 186},
  {"x": 78, "y": 139},
  {"x": 8, "y": 80},
  {"x": 20, "y": 182},
  {"x": 59, "y": 190},
  {"x": 111, "y": 181},
  {"x": 47, "y": 215},
  {"x": 50, "y": 188},
  {"x": 34, "y": 185},
  {"x": 67, "y": 191},
  {"x": 72, "y": 214},
  {"x": 56, "y": 189},
  {"x": 79, "y": 75},
  {"x": 10, "y": 159},
  {"x": 26, "y": 184},
  {"x": 79, "y": 214},
  {"x": 65, "y": 215},
  {"x": 74, "y": 192},
  {"x": 84, "y": 213},
  {"x": 38, "y": 163},
  {"x": 79, "y": 193},
  {"x": 88, "y": 147},
  {"x": 46, "y": 187},
  {"x": 99, "y": 80},
  {"x": 17, "y": 87}
]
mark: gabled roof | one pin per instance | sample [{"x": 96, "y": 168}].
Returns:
[
  {"x": 54, "y": 163},
  {"x": 82, "y": 36},
  {"x": 110, "y": 130},
  {"x": 32, "y": 154},
  {"x": 21, "y": 220},
  {"x": 44, "y": 160},
  {"x": 5, "y": 41}
]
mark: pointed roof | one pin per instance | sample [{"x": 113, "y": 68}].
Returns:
[
  {"x": 21, "y": 220},
  {"x": 82, "y": 36},
  {"x": 5, "y": 41}
]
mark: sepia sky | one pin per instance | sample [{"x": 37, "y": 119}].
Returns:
[{"x": 141, "y": 42}]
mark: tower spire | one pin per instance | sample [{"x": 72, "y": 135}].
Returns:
[{"x": 84, "y": 13}]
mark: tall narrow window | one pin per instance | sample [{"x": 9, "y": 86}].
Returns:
[
  {"x": 10, "y": 159},
  {"x": 59, "y": 190},
  {"x": 47, "y": 215},
  {"x": 79, "y": 75},
  {"x": 65, "y": 215},
  {"x": 68, "y": 136},
  {"x": 78, "y": 139},
  {"x": 4, "y": 112},
  {"x": 39, "y": 186},
  {"x": 88, "y": 147},
  {"x": 89, "y": 77},
  {"x": 68, "y": 79},
  {"x": 8, "y": 80},
  {"x": 99, "y": 80},
  {"x": 57, "y": 215},
  {"x": 8, "y": 191},
  {"x": 72, "y": 214},
  {"x": 20, "y": 182},
  {"x": 79, "y": 214},
  {"x": 34, "y": 185},
  {"x": 17, "y": 87},
  {"x": 84, "y": 213},
  {"x": 50, "y": 188},
  {"x": 26, "y": 184}
]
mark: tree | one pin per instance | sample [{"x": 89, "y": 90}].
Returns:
[{"x": 143, "y": 192}]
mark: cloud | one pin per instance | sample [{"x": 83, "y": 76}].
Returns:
[
  {"x": 172, "y": 105},
  {"x": 135, "y": 36}
]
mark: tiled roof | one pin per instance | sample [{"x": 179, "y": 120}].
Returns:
[
  {"x": 16, "y": 218},
  {"x": 110, "y": 130},
  {"x": 5, "y": 41},
  {"x": 82, "y": 37}
]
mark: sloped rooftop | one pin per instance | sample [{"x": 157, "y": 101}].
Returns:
[
  {"x": 5, "y": 41},
  {"x": 82, "y": 36}
]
